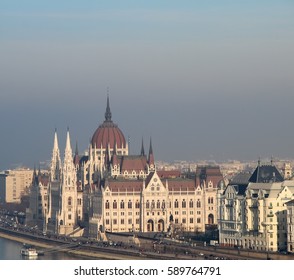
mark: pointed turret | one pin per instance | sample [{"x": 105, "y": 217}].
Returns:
[
  {"x": 142, "y": 148},
  {"x": 35, "y": 177},
  {"x": 77, "y": 150},
  {"x": 68, "y": 159},
  {"x": 76, "y": 157},
  {"x": 151, "y": 156},
  {"x": 68, "y": 191},
  {"x": 55, "y": 160}
]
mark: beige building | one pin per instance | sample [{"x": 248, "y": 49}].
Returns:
[
  {"x": 108, "y": 190},
  {"x": 253, "y": 212},
  {"x": 14, "y": 183},
  {"x": 159, "y": 203}
]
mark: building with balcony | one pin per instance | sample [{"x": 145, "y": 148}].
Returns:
[{"x": 253, "y": 213}]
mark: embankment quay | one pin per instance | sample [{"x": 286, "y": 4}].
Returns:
[{"x": 148, "y": 248}]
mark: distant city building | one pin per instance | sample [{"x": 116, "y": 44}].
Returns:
[
  {"x": 290, "y": 226},
  {"x": 287, "y": 171},
  {"x": 14, "y": 183},
  {"x": 253, "y": 211},
  {"x": 109, "y": 190}
]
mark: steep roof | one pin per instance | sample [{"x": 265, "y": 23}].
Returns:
[
  {"x": 180, "y": 184},
  {"x": 241, "y": 178},
  {"x": 130, "y": 163},
  {"x": 169, "y": 173},
  {"x": 265, "y": 174},
  {"x": 124, "y": 185},
  {"x": 208, "y": 173}
]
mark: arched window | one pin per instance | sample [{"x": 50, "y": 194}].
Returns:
[
  {"x": 163, "y": 204},
  {"x": 210, "y": 200},
  {"x": 191, "y": 203},
  {"x": 137, "y": 205},
  {"x": 153, "y": 204},
  {"x": 130, "y": 204},
  {"x": 184, "y": 203},
  {"x": 198, "y": 203},
  {"x": 176, "y": 204},
  {"x": 158, "y": 204},
  {"x": 147, "y": 204},
  {"x": 210, "y": 219},
  {"x": 114, "y": 204},
  {"x": 122, "y": 204},
  {"x": 107, "y": 204}
]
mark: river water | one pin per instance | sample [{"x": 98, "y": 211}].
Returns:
[{"x": 10, "y": 250}]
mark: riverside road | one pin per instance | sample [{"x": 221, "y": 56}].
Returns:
[{"x": 147, "y": 248}]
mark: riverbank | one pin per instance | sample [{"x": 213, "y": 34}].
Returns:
[{"x": 47, "y": 244}]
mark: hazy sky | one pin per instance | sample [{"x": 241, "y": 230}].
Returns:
[{"x": 206, "y": 79}]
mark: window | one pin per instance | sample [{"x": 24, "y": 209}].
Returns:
[
  {"x": 137, "y": 204},
  {"x": 191, "y": 221},
  {"x": 107, "y": 204},
  {"x": 198, "y": 203},
  {"x": 184, "y": 203},
  {"x": 114, "y": 204},
  {"x": 147, "y": 204},
  {"x": 176, "y": 204},
  {"x": 130, "y": 205},
  {"x": 122, "y": 204},
  {"x": 158, "y": 204},
  {"x": 191, "y": 203},
  {"x": 210, "y": 200},
  {"x": 69, "y": 201}
]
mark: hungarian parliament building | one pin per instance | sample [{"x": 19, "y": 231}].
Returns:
[{"x": 109, "y": 190}]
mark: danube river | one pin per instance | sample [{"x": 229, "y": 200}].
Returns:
[{"x": 10, "y": 250}]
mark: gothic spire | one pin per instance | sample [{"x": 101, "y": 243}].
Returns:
[
  {"x": 68, "y": 150},
  {"x": 77, "y": 150},
  {"x": 142, "y": 148},
  {"x": 55, "y": 160},
  {"x": 151, "y": 156},
  {"x": 108, "y": 112},
  {"x": 150, "y": 147},
  {"x": 55, "y": 143}
]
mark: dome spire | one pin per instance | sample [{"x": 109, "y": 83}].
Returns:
[{"x": 108, "y": 112}]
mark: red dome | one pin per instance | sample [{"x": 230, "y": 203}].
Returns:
[{"x": 108, "y": 133}]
